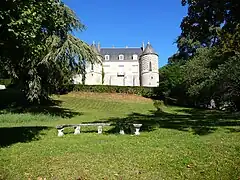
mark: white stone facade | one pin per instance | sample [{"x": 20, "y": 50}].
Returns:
[
  {"x": 121, "y": 73},
  {"x": 123, "y": 67}
]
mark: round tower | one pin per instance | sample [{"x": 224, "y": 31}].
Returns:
[{"x": 149, "y": 75}]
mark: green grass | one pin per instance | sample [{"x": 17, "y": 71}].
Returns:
[{"x": 178, "y": 143}]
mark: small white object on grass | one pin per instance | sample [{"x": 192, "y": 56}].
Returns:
[
  {"x": 121, "y": 131},
  {"x": 77, "y": 130},
  {"x": 2, "y": 87},
  {"x": 100, "y": 129},
  {"x": 60, "y": 132},
  {"x": 137, "y": 128}
]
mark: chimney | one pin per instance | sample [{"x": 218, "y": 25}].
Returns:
[
  {"x": 143, "y": 46},
  {"x": 98, "y": 47}
]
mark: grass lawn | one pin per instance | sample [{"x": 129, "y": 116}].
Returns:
[{"x": 176, "y": 143}]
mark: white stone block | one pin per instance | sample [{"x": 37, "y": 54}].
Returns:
[
  {"x": 100, "y": 129},
  {"x": 2, "y": 87},
  {"x": 60, "y": 132},
  {"x": 77, "y": 130}
]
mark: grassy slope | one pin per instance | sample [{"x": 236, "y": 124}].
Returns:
[{"x": 165, "y": 153}]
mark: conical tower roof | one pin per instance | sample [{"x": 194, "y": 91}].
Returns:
[{"x": 149, "y": 50}]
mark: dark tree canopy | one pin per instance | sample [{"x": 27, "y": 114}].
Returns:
[{"x": 205, "y": 20}]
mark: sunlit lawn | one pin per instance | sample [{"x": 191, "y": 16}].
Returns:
[{"x": 179, "y": 143}]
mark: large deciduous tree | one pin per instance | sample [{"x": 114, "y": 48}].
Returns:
[
  {"x": 37, "y": 48},
  {"x": 208, "y": 50}
]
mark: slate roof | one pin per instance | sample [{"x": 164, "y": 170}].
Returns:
[
  {"x": 127, "y": 52},
  {"x": 149, "y": 50},
  {"x": 115, "y": 52}
]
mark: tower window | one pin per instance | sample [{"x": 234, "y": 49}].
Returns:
[
  {"x": 92, "y": 68},
  {"x": 150, "y": 66},
  {"x": 135, "y": 57},
  {"x": 121, "y": 57},
  {"x": 107, "y": 57}
]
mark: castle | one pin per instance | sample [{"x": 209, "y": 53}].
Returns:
[{"x": 122, "y": 67}]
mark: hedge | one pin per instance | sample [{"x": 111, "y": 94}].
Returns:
[{"x": 138, "y": 90}]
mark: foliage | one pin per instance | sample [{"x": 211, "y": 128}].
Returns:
[
  {"x": 36, "y": 48},
  {"x": 170, "y": 77},
  {"x": 204, "y": 21},
  {"x": 208, "y": 52},
  {"x": 171, "y": 83},
  {"x": 6, "y": 82},
  {"x": 226, "y": 79},
  {"x": 208, "y": 76},
  {"x": 159, "y": 104},
  {"x": 197, "y": 70}
]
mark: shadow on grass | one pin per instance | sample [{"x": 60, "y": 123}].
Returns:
[
  {"x": 13, "y": 101},
  {"x": 11, "y": 135},
  {"x": 199, "y": 122}
]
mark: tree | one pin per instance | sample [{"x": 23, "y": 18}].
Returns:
[
  {"x": 208, "y": 51},
  {"x": 196, "y": 73},
  {"x": 36, "y": 45},
  {"x": 205, "y": 21},
  {"x": 171, "y": 82}
]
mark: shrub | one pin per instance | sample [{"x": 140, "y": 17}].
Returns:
[
  {"x": 159, "y": 104},
  {"x": 5, "y": 82},
  {"x": 148, "y": 92}
]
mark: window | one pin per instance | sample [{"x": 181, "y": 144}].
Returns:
[
  {"x": 91, "y": 66},
  {"x": 120, "y": 75},
  {"x": 135, "y": 57},
  {"x": 106, "y": 65},
  {"x": 107, "y": 57},
  {"x": 121, "y": 57},
  {"x": 150, "y": 66}
]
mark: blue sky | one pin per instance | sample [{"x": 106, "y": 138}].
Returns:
[{"x": 123, "y": 23}]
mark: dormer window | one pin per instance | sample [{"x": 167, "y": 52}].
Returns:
[
  {"x": 135, "y": 57},
  {"x": 121, "y": 57},
  {"x": 107, "y": 57}
]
